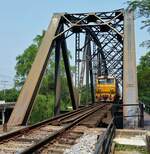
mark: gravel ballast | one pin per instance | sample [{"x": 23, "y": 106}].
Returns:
[{"x": 85, "y": 145}]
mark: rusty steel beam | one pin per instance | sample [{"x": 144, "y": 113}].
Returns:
[{"x": 29, "y": 91}]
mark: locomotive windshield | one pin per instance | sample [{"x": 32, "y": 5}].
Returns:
[{"x": 105, "y": 81}]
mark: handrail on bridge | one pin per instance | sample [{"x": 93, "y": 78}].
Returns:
[
  {"x": 103, "y": 145},
  {"x": 140, "y": 114}
]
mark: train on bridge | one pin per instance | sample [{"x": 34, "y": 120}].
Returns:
[{"x": 107, "y": 89}]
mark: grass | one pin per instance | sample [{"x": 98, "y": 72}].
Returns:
[{"x": 122, "y": 147}]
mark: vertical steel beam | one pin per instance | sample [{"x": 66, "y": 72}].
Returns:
[
  {"x": 91, "y": 74},
  {"x": 100, "y": 48},
  {"x": 82, "y": 72},
  {"x": 57, "y": 78},
  {"x": 87, "y": 73},
  {"x": 95, "y": 65},
  {"x": 77, "y": 59},
  {"x": 29, "y": 91},
  {"x": 130, "y": 91},
  {"x": 99, "y": 71},
  {"x": 68, "y": 73}
]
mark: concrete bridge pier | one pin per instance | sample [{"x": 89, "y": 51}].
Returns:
[{"x": 130, "y": 90}]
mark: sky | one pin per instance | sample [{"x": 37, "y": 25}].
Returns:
[{"x": 21, "y": 21}]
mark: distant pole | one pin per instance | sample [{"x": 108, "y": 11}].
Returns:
[{"x": 4, "y": 83}]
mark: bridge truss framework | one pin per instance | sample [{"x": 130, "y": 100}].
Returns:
[{"x": 104, "y": 45}]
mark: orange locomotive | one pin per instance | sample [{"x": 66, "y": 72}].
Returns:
[{"x": 106, "y": 89}]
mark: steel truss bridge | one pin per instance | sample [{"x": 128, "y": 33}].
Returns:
[{"x": 104, "y": 45}]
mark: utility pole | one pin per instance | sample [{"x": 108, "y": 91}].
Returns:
[{"x": 4, "y": 83}]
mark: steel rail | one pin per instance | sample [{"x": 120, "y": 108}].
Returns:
[
  {"x": 18, "y": 132},
  {"x": 61, "y": 131},
  {"x": 59, "y": 120},
  {"x": 70, "y": 115}
]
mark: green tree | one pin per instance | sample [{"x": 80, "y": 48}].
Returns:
[
  {"x": 142, "y": 7},
  {"x": 25, "y": 60},
  {"x": 42, "y": 108},
  {"x": 24, "y": 63},
  {"x": 143, "y": 73},
  {"x": 9, "y": 95}
]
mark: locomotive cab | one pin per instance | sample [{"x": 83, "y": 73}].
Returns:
[{"x": 106, "y": 88}]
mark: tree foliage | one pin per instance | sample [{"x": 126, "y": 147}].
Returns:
[
  {"x": 9, "y": 95},
  {"x": 25, "y": 60},
  {"x": 43, "y": 108},
  {"x": 24, "y": 63},
  {"x": 142, "y": 7},
  {"x": 143, "y": 73}
]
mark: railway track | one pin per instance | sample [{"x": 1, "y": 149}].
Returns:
[{"x": 50, "y": 136}]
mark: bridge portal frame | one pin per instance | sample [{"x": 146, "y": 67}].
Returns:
[{"x": 112, "y": 36}]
